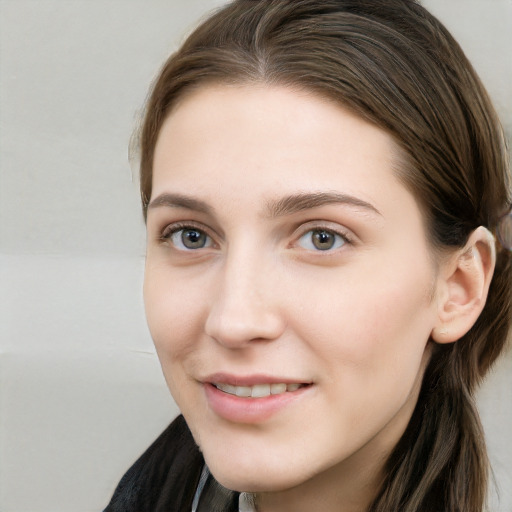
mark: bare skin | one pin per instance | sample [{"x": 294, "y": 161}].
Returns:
[{"x": 282, "y": 250}]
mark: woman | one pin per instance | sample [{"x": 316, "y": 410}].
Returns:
[{"x": 321, "y": 181}]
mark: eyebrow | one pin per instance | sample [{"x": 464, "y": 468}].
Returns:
[
  {"x": 306, "y": 201},
  {"x": 275, "y": 208},
  {"x": 180, "y": 201}
]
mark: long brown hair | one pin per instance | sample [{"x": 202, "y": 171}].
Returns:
[{"x": 395, "y": 65}]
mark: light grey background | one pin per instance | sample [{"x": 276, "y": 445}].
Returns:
[{"x": 81, "y": 392}]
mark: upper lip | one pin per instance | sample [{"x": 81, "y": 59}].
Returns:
[{"x": 250, "y": 380}]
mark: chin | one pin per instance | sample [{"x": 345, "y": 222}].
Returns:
[
  {"x": 254, "y": 478},
  {"x": 250, "y": 483}
]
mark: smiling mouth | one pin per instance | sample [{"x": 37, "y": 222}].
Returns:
[{"x": 258, "y": 390}]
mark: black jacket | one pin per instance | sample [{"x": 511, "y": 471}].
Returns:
[{"x": 165, "y": 478}]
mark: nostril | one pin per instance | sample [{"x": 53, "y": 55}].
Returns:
[
  {"x": 232, "y": 331},
  {"x": 241, "y": 309}
]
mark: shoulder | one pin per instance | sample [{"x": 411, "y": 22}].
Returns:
[{"x": 164, "y": 477}]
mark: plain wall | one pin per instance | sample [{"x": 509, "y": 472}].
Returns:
[{"x": 81, "y": 391}]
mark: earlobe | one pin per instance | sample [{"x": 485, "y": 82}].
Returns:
[{"x": 465, "y": 278}]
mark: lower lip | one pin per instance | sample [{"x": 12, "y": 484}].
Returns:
[{"x": 249, "y": 410}]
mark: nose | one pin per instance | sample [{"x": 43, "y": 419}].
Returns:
[{"x": 244, "y": 308}]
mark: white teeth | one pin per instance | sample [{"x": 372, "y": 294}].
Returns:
[
  {"x": 259, "y": 390},
  {"x": 228, "y": 388},
  {"x": 243, "y": 391},
  {"x": 277, "y": 389}
]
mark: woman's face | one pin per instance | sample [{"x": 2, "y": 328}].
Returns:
[{"x": 289, "y": 286}]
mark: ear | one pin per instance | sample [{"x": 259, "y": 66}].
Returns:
[{"x": 463, "y": 285}]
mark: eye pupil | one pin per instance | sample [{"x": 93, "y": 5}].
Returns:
[
  {"x": 323, "y": 240},
  {"x": 193, "y": 238}
]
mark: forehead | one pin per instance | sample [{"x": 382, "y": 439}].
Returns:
[{"x": 227, "y": 142}]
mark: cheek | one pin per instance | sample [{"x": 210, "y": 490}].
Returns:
[
  {"x": 373, "y": 325},
  {"x": 172, "y": 313},
  {"x": 369, "y": 346}
]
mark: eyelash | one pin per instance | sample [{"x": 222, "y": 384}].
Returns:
[
  {"x": 171, "y": 230},
  {"x": 309, "y": 229},
  {"x": 174, "y": 229}
]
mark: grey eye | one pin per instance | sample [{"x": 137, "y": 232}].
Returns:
[
  {"x": 187, "y": 239},
  {"x": 321, "y": 240}
]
